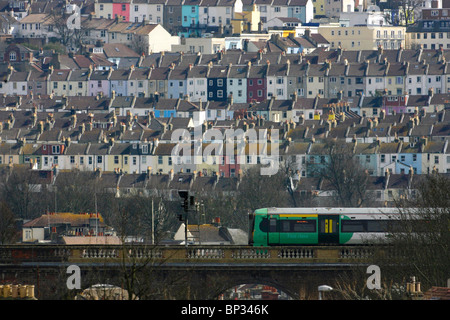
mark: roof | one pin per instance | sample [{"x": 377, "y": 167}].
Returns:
[
  {"x": 72, "y": 240},
  {"x": 119, "y": 50},
  {"x": 62, "y": 218},
  {"x": 205, "y": 233}
]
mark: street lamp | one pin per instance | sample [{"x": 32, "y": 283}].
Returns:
[{"x": 323, "y": 288}]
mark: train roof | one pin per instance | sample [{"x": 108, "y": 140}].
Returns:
[{"x": 325, "y": 210}]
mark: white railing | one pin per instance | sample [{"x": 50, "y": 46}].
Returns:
[
  {"x": 250, "y": 254},
  {"x": 95, "y": 253},
  {"x": 356, "y": 253},
  {"x": 205, "y": 253},
  {"x": 296, "y": 253}
]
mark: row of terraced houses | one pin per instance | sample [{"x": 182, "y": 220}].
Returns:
[{"x": 247, "y": 77}]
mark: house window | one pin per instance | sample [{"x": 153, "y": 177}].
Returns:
[{"x": 12, "y": 56}]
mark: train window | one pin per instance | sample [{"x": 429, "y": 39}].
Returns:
[
  {"x": 376, "y": 226},
  {"x": 273, "y": 225},
  {"x": 366, "y": 226},
  {"x": 264, "y": 225},
  {"x": 304, "y": 226},
  {"x": 352, "y": 226}
]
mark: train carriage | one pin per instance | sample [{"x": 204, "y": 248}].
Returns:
[{"x": 322, "y": 226}]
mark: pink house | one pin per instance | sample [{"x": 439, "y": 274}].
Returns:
[
  {"x": 395, "y": 104},
  {"x": 99, "y": 83},
  {"x": 122, "y": 9}
]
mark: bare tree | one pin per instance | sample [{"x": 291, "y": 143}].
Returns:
[
  {"x": 417, "y": 246},
  {"x": 60, "y": 26},
  {"x": 422, "y": 236},
  {"x": 341, "y": 170},
  {"x": 141, "y": 260},
  {"x": 403, "y": 12},
  {"x": 24, "y": 192},
  {"x": 7, "y": 224},
  {"x": 261, "y": 191},
  {"x": 69, "y": 34}
]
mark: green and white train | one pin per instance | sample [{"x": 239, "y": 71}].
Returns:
[{"x": 320, "y": 226}]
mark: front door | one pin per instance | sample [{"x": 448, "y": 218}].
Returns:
[{"x": 328, "y": 229}]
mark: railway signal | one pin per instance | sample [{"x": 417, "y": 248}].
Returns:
[{"x": 188, "y": 204}]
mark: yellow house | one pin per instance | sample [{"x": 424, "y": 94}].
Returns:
[
  {"x": 58, "y": 82},
  {"x": 118, "y": 157},
  {"x": 210, "y": 158},
  {"x": 162, "y": 159},
  {"x": 319, "y": 7},
  {"x": 246, "y": 21},
  {"x": 363, "y": 37},
  {"x": 315, "y": 80},
  {"x": 78, "y": 82}
]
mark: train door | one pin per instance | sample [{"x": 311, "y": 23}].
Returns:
[
  {"x": 274, "y": 233},
  {"x": 328, "y": 229}
]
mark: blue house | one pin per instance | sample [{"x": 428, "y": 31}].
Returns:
[
  {"x": 166, "y": 108},
  {"x": 409, "y": 157},
  {"x": 119, "y": 81},
  {"x": 368, "y": 156},
  {"x": 190, "y": 17},
  {"x": 177, "y": 83},
  {"x": 316, "y": 159},
  {"x": 300, "y": 9},
  {"x": 217, "y": 83}
]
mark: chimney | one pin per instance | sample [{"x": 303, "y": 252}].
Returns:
[
  {"x": 34, "y": 118},
  {"x": 73, "y": 120},
  {"x": 387, "y": 175},
  {"x": 41, "y": 127}
]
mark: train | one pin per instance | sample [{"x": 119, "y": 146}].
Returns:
[{"x": 320, "y": 226}]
